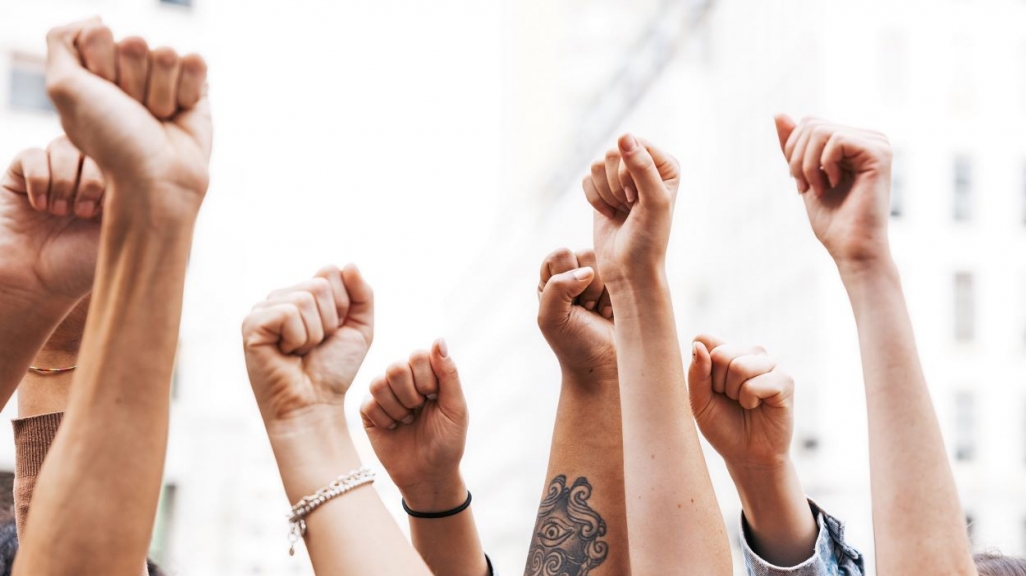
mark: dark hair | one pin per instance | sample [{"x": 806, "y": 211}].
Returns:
[
  {"x": 992, "y": 564},
  {"x": 9, "y": 548}
]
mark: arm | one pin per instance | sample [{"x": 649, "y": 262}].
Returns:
[
  {"x": 114, "y": 433},
  {"x": 304, "y": 345},
  {"x": 912, "y": 484},
  {"x": 673, "y": 519},
  {"x": 744, "y": 406},
  {"x": 49, "y": 258},
  {"x": 416, "y": 418},
  {"x": 586, "y": 458}
]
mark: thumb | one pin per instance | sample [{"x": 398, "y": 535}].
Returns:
[
  {"x": 450, "y": 389},
  {"x": 558, "y": 295},
  {"x": 700, "y": 381},
  {"x": 785, "y": 125},
  {"x": 649, "y": 167}
]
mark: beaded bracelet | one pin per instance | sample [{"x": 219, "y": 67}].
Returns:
[{"x": 307, "y": 504}]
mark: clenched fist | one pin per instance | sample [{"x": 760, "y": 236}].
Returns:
[
  {"x": 416, "y": 418},
  {"x": 743, "y": 403},
  {"x": 633, "y": 192},
  {"x": 844, "y": 175},
  {"x": 49, "y": 248},
  {"x": 576, "y": 316},
  {"x": 142, "y": 115},
  {"x": 305, "y": 343}
]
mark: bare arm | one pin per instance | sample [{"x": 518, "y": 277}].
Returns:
[
  {"x": 114, "y": 434},
  {"x": 744, "y": 405},
  {"x": 417, "y": 422},
  {"x": 913, "y": 486},
  {"x": 304, "y": 345},
  {"x": 48, "y": 259},
  {"x": 673, "y": 518},
  {"x": 584, "y": 491}
]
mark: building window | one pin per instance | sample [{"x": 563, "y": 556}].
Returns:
[
  {"x": 160, "y": 545},
  {"x": 897, "y": 186},
  {"x": 965, "y": 427},
  {"x": 965, "y": 307},
  {"x": 28, "y": 84},
  {"x": 963, "y": 189}
]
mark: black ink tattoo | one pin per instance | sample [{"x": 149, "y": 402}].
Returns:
[{"x": 567, "y": 533}]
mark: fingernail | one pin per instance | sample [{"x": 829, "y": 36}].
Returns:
[
  {"x": 583, "y": 273},
  {"x": 393, "y": 426},
  {"x": 85, "y": 209},
  {"x": 628, "y": 143},
  {"x": 632, "y": 194},
  {"x": 803, "y": 186},
  {"x": 41, "y": 202},
  {"x": 589, "y": 305},
  {"x": 60, "y": 207},
  {"x": 432, "y": 396},
  {"x": 607, "y": 311},
  {"x": 443, "y": 348},
  {"x": 408, "y": 420}
]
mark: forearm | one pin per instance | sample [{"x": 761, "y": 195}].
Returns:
[
  {"x": 587, "y": 446},
  {"x": 452, "y": 545},
  {"x": 352, "y": 534},
  {"x": 114, "y": 435},
  {"x": 25, "y": 325},
  {"x": 781, "y": 525},
  {"x": 911, "y": 479},
  {"x": 673, "y": 516}
]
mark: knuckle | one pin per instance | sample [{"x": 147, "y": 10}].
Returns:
[
  {"x": 395, "y": 370},
  {"x": 420, "y": 358},
  {"x": 377, "y": 386},
  {"x": 320, "y": 287}
]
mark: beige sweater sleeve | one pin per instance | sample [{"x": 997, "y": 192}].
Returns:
[{"x": 32, "y": 439}]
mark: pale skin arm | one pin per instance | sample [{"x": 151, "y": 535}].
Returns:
[
  {"x": 114, "y": 434},
  {"x": 304, "y": 345},
  {"x": 744, "y": 406},
  {"x": 673, "y": 518},
  {"x": 912, "y": 483},
  {"x": 417, "y": 421},
  {"x": 575, "y": 317}
]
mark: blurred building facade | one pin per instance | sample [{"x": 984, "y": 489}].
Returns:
[{"x": 703, "y": 79}]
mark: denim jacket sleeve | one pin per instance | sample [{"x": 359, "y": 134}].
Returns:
[{"x": 832, "y": 557}]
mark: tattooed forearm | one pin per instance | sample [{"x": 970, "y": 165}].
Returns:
[{"x": 567, "y": 533}]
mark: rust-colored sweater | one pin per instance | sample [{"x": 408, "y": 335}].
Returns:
[{"x": 32, "y": 439}]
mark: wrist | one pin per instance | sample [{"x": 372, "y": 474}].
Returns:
[
  {"x": 857, "y": 270},
  {"x": 151, "y": 207},
  {"x": 439, "y": 494},
  {"x": 589, "y": 377},
  {"x": 639, "y": 279}
]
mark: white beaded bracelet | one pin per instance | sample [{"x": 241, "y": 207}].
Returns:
[{"x": 307, "y": 504}]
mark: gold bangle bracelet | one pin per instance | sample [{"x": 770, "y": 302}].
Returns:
[{"x": 51, "y": 371}]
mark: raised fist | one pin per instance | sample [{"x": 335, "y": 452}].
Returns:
[
  {"x": 49, "y": 248},
  {"x": 743, "y": 403},
  {"x": 416, "y": 418},
  {"x": 576, "y": 316},
  {"x": 142, "y": 115},
  {"x": 844, "y": 175},
  {"x": 633, "y": 192},
  {"x": 305, "y": 343}
]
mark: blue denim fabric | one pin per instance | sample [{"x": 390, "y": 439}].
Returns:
[{"x": 833, "y": 557}]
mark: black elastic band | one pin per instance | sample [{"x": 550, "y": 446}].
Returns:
[{"x": 434, "y": 515}]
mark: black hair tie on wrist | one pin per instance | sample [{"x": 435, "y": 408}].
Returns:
[{"x": 435, "y": 515}]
